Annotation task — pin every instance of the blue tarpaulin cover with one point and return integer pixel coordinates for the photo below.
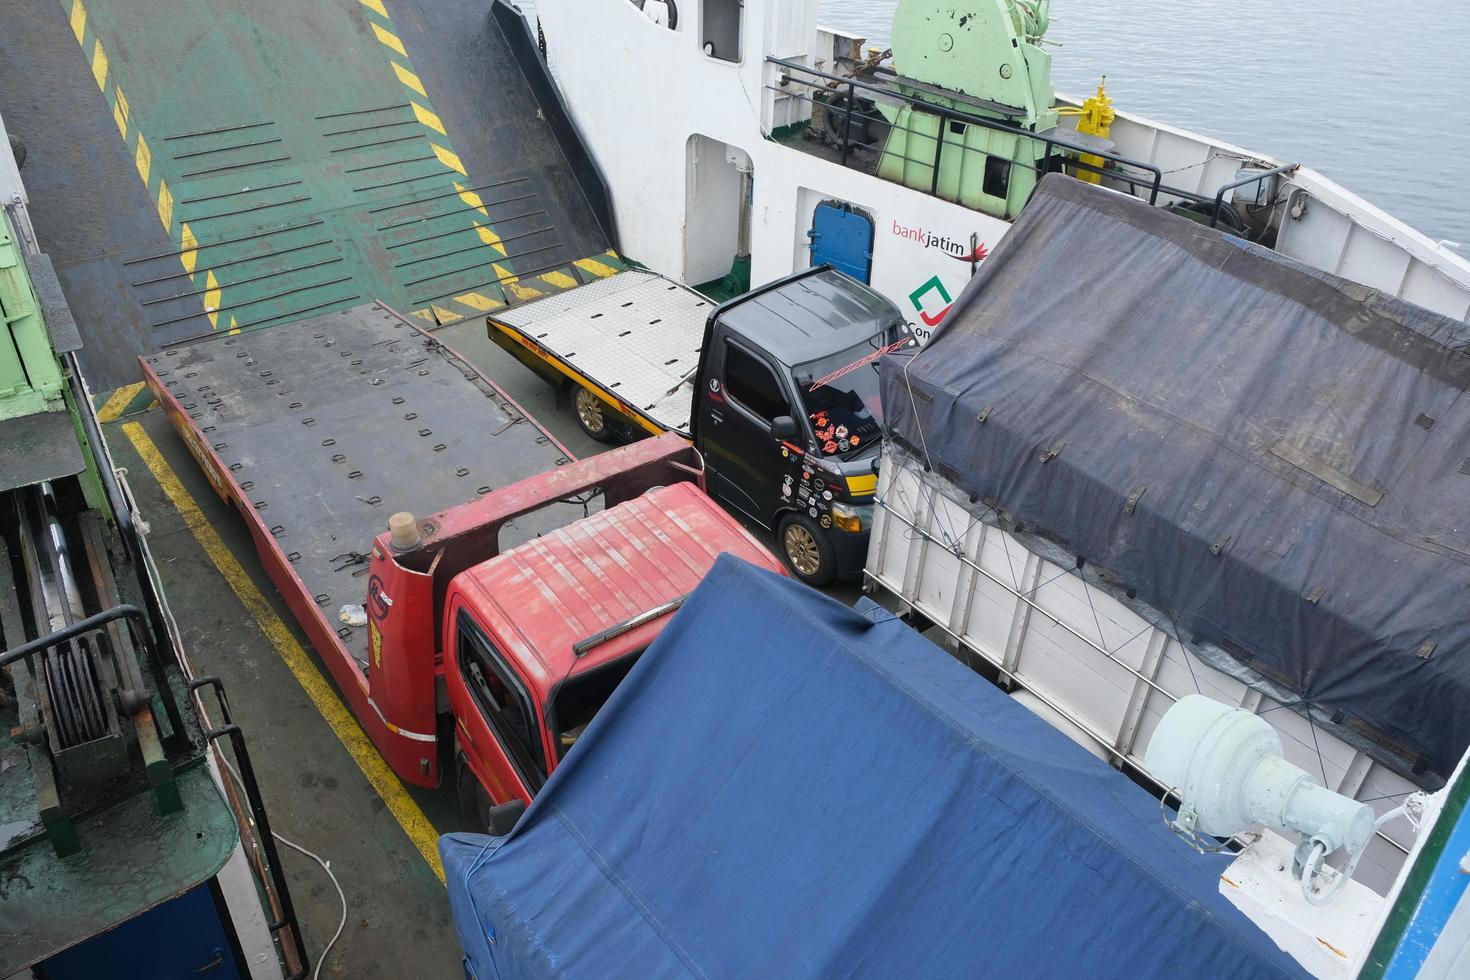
(784, 786)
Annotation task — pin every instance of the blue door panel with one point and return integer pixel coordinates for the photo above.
(183, 937)
(843, 238)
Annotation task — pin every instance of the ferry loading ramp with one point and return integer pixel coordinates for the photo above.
(196, 168)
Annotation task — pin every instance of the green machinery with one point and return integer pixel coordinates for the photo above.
(108, 808)
(980, 59)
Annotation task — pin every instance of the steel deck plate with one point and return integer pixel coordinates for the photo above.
(636, 333)
(331, 424)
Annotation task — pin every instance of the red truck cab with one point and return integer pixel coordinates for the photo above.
(540, 635)
(529, 642)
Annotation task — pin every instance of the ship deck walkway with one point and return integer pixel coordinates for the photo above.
(237, 164)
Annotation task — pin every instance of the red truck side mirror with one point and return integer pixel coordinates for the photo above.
(503, 818)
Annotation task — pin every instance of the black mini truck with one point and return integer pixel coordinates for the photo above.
(778, 390)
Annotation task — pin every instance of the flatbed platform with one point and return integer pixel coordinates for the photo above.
(636, 336)
(320, 429)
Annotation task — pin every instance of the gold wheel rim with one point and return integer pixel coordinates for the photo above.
(589, 411)
(801, 549)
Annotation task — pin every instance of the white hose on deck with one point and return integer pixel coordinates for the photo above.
(326, 866)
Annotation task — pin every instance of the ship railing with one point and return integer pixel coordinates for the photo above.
(285, 927)
(1258, 178)
(1141, 179)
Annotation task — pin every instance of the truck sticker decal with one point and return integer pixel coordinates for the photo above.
(378, 598)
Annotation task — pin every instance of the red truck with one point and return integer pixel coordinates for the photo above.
(507, 619)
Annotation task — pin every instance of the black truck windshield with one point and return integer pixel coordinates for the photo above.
(840, 394)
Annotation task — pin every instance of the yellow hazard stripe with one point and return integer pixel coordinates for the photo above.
(559, 279)
(408, 78)
(595, 267)
(447, 157)
(388, 39)
(152, 176)
(78, 20)
(118, 403)
(408, 814)
(428, 118)
(478, 302)
(99, 65)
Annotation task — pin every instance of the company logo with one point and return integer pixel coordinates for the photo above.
(960, 251)
(932, 301)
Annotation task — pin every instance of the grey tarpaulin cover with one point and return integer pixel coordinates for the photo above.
(1300, 444)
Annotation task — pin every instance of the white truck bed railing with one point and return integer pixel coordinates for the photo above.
(1019, 608)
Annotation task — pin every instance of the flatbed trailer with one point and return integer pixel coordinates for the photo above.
(314, 431)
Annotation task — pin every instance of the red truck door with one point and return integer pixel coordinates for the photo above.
(501, 731)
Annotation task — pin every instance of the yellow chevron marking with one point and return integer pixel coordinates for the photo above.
(120, 112)
(488, 236)
(523, 292)
(144, 159)
(428, 118)
(211, 298)
(471, 198)
(445, 316)
(165, 201)
(477, 302)
(559, 279)
(376, 6)
(408, 78)
(234, 327)
(189, 256)
(595, 267)
(389, 39)
(78, 19)
(447, 157)
(99, 66)
(426, 315)
(118, 403)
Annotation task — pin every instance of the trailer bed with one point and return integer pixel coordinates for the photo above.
(318, 430)
(636, 335)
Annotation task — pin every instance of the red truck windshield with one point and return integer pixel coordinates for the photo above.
(840, 394)
(578, 699)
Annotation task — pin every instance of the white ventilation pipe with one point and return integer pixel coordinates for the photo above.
(1226, 765)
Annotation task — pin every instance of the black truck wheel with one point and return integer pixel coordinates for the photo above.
(806, 550)
(592, 415)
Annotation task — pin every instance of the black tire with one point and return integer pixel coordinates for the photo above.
(592, 414)
(806, 550)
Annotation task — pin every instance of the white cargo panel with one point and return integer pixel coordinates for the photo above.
(1103, 663)
(636, 334)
